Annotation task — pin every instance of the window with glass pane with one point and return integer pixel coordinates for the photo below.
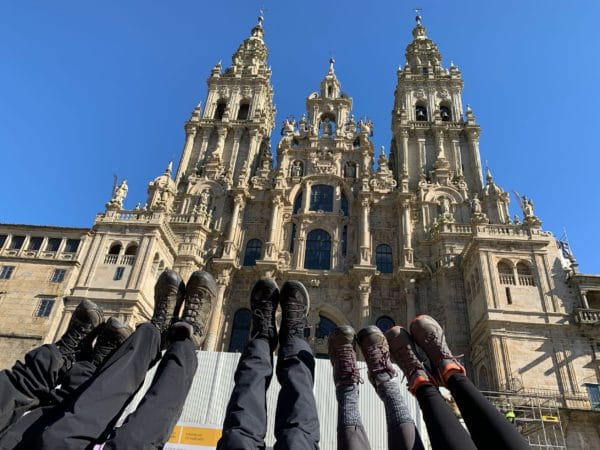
(6, 272)
(58, 275)
(253, 250)
(298, 203)
(53, 244)
(119, 273)
(344, 205)
(72, 245)
(35, 243)
(2, 240)
(344, 240)
(321, 198)
(384, 323)
(325, 327)
(45, 307)
(594, 395)
(318, 250)
(16, 242)
(383, 259)
(240, 330)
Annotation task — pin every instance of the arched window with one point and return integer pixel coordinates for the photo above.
(240, 330)
(384, 323)
(344, 205)
(220, 109)
(327, 125)
(321, 198)
(445, 113)
(297, 203)
(253, 249)
(243, 111)
(421, 113)
(131, 250)
(115, 249)
(318, 250)
(524, 274)
(325, 327)
(383, 258)
(483, 380)
(505, 273)
(155, 262)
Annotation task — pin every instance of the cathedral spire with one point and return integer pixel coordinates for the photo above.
(330, 86)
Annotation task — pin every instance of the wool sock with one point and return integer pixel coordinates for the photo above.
(348, 412)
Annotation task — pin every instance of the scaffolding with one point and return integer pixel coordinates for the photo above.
(536, 416)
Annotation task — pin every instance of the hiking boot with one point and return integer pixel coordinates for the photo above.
(169, 291)
(342, 354)
(374, 347)
(86, 317)
(428, 335)
(403, 353)
(112, 335)
(200, 294)
(295, 303)
(264, 299)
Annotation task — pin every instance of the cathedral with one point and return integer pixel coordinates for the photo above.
(376, 238)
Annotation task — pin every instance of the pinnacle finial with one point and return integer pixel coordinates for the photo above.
(418, 15)
(331, 63)
(488, 173)
(169, 168)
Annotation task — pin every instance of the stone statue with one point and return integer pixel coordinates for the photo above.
(138, 206)
(476, 205)
(516, 220)
(350, 170)
(444, 206)
(119, 195)
(297, 169)
(527, 206)
(204, 200)
(327, 130)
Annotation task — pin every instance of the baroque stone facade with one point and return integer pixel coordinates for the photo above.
(419, 232)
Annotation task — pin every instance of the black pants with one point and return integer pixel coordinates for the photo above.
(489, 429)
(21, 432)
(296, 419)
(90, 417)
(29, 383)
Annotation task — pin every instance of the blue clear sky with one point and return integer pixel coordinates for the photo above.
(92, 89)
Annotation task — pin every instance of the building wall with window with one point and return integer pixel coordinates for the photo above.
(376, 236)
(38, 268)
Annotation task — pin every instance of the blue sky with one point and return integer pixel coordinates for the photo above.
(92, 89)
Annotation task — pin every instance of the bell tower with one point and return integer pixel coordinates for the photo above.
(224, 140)
(432, 139)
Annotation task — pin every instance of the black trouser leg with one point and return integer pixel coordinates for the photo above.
(488, 427)
(88, 417)
(151, 424)
(444, 429)
(27, 384)
(22, 433)
(353, 437)
(296, 419)
(245, 423)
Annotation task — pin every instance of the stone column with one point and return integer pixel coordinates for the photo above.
(237, 135)
(238, 203)
(271, 247)
(365, 257)
(364, 307)
(190, 135)
(474, 143)
(300, 247)
(306, 197)
(222, 134)
(422, 153)
(407, 250)
(411, 304)
(255, 138)
(337, 198)
(217, 312)
(404, 167)
(439, 137)
(584, 300)
(457, 157)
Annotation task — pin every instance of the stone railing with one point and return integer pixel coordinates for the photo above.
(128, 260)
(526, 280)
(587, 316)
(111, 259)
(506, 278)
(130, 216)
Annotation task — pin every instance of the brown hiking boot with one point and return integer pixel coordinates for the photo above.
(112, 335)
(168, 297)
(428, 335)
(264, 299)
(295, 304)
(342, 354)
(376, 351)
(201, 293)
(403, 354)
(86, 317)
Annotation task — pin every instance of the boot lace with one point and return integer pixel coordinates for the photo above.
(346, 370)
(378, 359)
